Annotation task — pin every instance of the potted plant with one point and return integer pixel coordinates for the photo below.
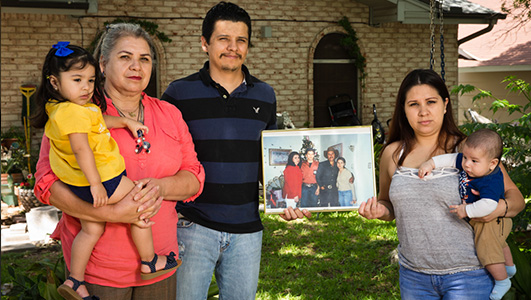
(14, 161)
(12, 135)
(14, 154)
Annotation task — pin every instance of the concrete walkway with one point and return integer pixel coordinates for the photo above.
(30, 231)
(16, 237)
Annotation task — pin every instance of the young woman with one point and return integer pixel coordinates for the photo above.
(436, 252)
(345, 188)
(292, 180)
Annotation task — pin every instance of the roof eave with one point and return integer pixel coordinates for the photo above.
(418, 12)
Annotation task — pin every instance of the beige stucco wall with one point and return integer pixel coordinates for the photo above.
(491, 81)
(283, 60)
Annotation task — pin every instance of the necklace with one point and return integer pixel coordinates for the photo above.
(132, 114)
(139, 117)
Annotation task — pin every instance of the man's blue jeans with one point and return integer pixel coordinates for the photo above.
(308, 196)
(235, 258)
(470, 285)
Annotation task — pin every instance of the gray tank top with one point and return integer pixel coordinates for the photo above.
(431, 239)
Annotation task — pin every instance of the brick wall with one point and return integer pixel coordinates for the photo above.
(283, 60)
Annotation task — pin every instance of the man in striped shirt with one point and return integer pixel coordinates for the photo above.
(226, 108)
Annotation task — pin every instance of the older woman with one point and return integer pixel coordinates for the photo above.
(169, 171)
(436, 251)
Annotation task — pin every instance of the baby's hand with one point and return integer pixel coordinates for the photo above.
(99, 194)
(426, 168)
(460, 210)
(135, 126)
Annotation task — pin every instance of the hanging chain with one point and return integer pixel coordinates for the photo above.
(432, 33)
(441, 30)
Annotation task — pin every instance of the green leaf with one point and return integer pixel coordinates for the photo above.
(11, 271)
(523, 270)
(49, 291)
(213, 289)
(463, 89)
(350, 43)
(482, 94)
(497, 104)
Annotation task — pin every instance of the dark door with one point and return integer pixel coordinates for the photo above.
(334, 73)
(151, 89)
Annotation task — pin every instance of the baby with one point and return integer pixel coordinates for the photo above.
(479, 171)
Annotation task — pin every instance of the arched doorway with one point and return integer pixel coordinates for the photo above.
(152, 88)
(334, 73)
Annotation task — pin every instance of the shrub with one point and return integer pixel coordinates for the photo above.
(517, 160)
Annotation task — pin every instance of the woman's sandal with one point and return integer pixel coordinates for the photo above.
(171, 264)
(69, 293)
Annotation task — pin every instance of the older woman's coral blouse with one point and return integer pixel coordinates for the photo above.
(115, 261)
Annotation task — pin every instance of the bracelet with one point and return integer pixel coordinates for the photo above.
(506, 207)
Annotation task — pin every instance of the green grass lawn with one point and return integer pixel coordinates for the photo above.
(335, 256)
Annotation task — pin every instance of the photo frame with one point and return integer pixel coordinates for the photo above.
(289, 185)
(278, 157)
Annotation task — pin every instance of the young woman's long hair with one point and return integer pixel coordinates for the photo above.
(399, 130)
(290, 159)
(55, 65)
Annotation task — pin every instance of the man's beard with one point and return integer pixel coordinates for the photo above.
(231, 69)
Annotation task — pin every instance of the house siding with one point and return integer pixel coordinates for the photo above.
(285, 60)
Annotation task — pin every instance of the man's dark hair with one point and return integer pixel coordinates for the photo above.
(225, 11)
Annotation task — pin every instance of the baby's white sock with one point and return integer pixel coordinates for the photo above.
(511, 270)
(500, 288)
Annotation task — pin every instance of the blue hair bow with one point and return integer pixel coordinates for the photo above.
(62, 51)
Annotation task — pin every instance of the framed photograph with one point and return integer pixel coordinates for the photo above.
(321, 169)
(278, 157)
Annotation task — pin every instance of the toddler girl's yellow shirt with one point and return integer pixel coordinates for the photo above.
(66, 118)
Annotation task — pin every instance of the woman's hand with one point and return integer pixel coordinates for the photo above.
(372, 209)
(148, 184)
(126, 210)
(500, 211)
(138, 206)
(293, 214)
(179, 187)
